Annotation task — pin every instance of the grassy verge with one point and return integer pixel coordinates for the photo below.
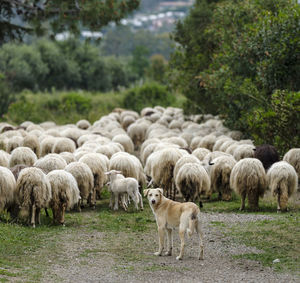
(278, 238)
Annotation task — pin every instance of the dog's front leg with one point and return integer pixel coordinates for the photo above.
(170, 241)
(161, 236)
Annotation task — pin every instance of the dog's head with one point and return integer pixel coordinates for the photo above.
(154, 195)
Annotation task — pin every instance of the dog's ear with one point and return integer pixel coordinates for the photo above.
(161, 191)
(146, 192)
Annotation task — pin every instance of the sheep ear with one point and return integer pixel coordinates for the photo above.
(119, 172)
(211, 163)
(146, 192)
(107, 173)
(161, 191)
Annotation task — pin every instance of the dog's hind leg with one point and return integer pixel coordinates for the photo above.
(170, 241)
(200, 235)
(181, 236)
(161, 237)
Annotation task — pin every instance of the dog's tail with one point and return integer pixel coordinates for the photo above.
(192, 222)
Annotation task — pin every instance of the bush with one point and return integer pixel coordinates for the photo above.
(279, 123)
(6, 97)
(150, 94)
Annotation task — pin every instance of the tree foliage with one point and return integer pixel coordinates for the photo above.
(19, 17)
(237, 58)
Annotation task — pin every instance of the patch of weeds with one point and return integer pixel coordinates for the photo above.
(217, 223)
(267, 205)
(7, 273)
(279, 239)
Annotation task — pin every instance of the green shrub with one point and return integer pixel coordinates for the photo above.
(150, 94)
(75, 102)
(6, 97)
(279, 123)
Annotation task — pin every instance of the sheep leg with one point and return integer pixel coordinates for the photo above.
(38, 216)
(46, 211)
(123, 201)
(253, 201)
(181, 236)
(170, 242)
(243, 202)
(161, 236)
(200, 235)
(116, 207)
(141, 201)
(33, 208)
(135, 199)
(111, 201)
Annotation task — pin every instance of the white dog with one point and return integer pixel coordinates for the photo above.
(170, 214)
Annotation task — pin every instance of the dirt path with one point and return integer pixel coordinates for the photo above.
(87, 255)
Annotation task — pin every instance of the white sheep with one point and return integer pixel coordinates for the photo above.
(248, 179)
(4, 158)
(283, 181)
(119, 186)
(7, 188)
(22, 155)
(65, 194)
(50, 162)
(220, 176)
(293, 158)
(63, 144)
(84, 177)
(32, 142)
(192, 180)
(33, 192)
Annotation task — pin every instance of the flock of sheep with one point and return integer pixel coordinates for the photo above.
(59, 167)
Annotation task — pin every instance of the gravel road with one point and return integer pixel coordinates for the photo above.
(87, 256)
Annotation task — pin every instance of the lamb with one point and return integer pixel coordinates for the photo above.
(283, 181)
(22, 155)
(33, 192)
(248, 179)
(293, 158)
(65, 194)
(267, 154)
(7, 188)
(84, 177)
(121, 186)
(192, 180)
(220, 176)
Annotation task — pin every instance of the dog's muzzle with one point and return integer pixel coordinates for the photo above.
(153, 201)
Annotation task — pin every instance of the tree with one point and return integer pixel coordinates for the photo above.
(21, 17)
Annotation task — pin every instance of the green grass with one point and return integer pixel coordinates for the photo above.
(24, 251)
(278, 239)
(267, 205)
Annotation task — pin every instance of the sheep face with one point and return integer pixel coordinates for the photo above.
(282, 200)
(59, 213)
